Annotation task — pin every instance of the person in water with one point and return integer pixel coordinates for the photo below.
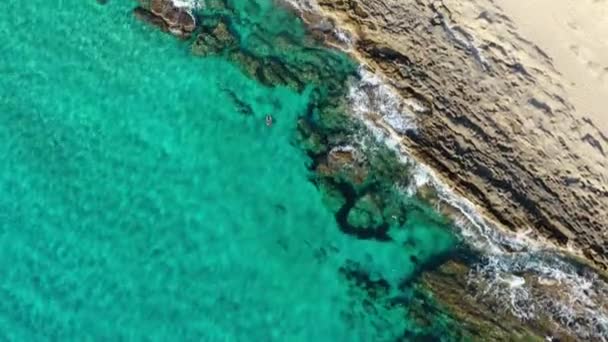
(269, 120)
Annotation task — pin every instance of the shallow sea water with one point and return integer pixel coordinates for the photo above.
(137, 203)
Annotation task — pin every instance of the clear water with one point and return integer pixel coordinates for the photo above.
(138, 203)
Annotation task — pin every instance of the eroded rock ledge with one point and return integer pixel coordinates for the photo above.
(498, 125)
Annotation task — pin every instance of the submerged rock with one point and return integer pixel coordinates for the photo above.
(365, 214)
(342, 162)
(214, 38)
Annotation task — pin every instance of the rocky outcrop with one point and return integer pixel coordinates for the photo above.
(495, 123)
(167, 16)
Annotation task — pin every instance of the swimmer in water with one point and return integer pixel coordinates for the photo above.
(269, 120)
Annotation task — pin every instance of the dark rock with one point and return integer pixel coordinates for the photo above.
(361, 278)
(358, 227)
(164, 14)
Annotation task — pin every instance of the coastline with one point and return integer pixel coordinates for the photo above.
(507, 247)
(544, 188)
(140, 188)
(402, 105)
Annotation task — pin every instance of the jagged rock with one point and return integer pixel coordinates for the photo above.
(164, 14)
(342, 163)
(273, 59)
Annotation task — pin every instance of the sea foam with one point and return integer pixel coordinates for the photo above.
(189, 4)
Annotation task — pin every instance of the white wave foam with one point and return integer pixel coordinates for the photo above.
(304, 5)
(189, 4)
(419, 179)
(344, 37)
(529, 278)
(372, 97)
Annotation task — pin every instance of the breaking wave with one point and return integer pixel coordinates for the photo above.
(189, 4)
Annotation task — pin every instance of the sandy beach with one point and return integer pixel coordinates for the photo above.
(574, 34)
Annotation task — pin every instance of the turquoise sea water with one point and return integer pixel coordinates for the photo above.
(137, 202)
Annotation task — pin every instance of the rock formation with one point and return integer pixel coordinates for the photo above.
(492, 116)
(168, 17)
